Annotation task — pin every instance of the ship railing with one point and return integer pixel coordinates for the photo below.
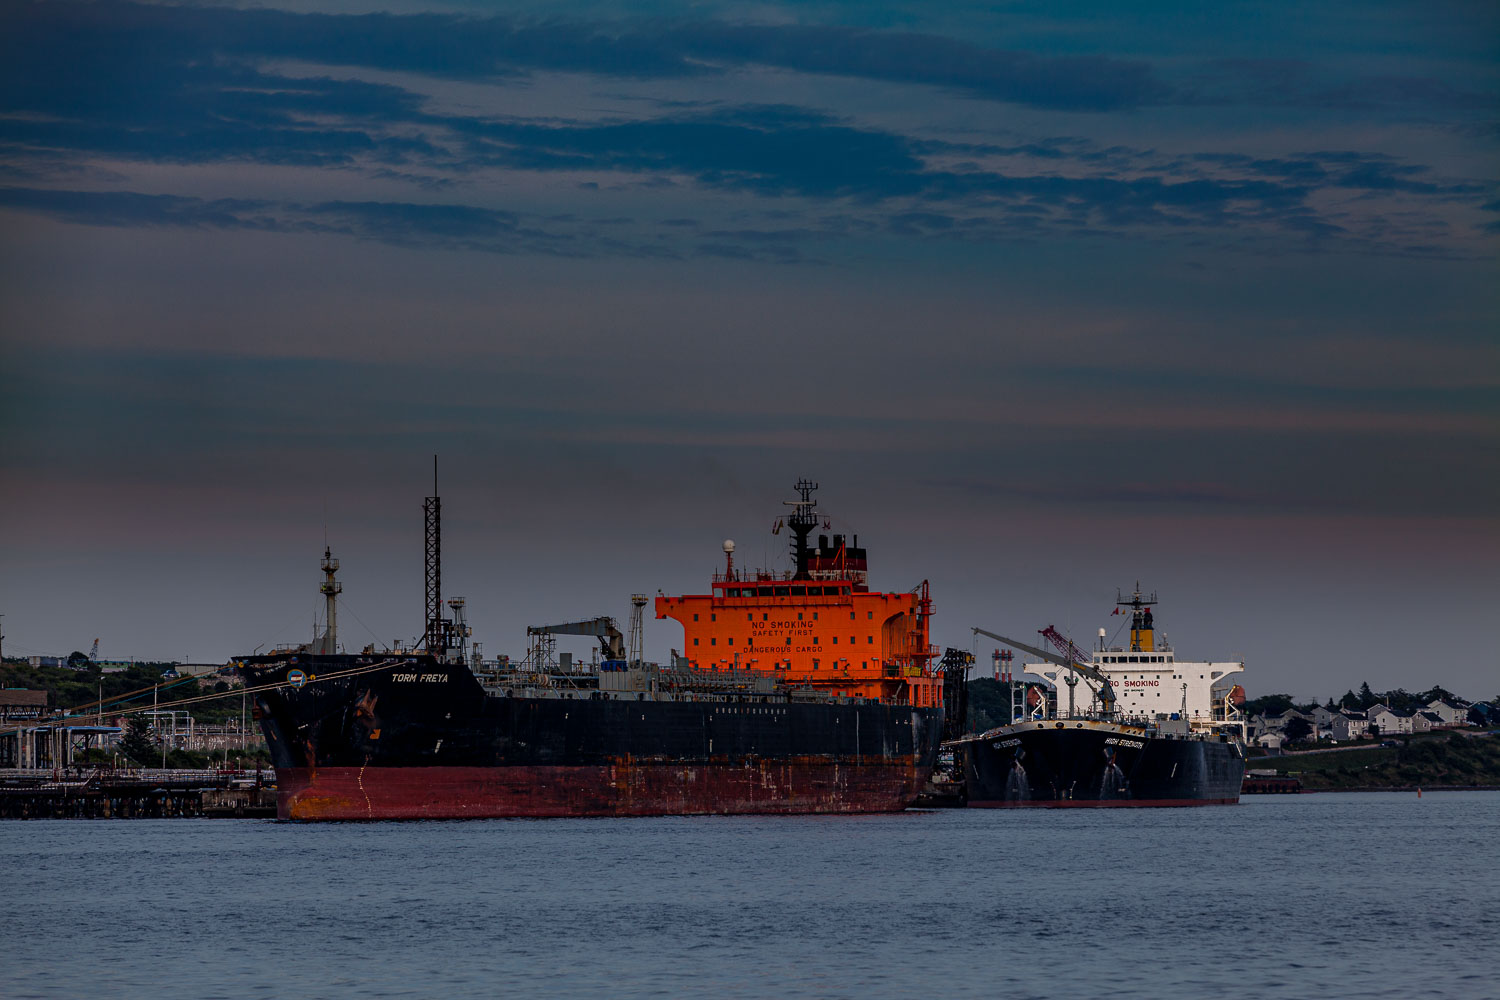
(753, 576)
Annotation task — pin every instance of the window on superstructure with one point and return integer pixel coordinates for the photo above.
(817, 641)
(713, 641)
(783, 591)
(799, 591)
(695, 617)
(695, 641)
(870, 615)
(869, 640)
(764, 617)
(713, 617)
(749, 617)
(731, 640)
(835, 640)
(763, 591)
(788, 640)
(815, 616)
(799, 616)
(815, 664)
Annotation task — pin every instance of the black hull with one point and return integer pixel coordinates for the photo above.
(1073, 763)
(355, 723)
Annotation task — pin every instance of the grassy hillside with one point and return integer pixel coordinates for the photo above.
(1430, 762)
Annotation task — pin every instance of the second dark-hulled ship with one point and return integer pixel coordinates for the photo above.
(1153, 730)
(800, 691)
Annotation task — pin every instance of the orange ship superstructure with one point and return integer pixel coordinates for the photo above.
(818, 626)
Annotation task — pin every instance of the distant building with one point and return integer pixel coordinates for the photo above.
(1349, 725)
(19, 706)
(1388, 721)
(1323, 718)
(1276, 722)
(1271, 741)
(1452, 713)
(19, 703)
(1423, 721)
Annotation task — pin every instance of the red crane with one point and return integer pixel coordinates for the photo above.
(1065, 646)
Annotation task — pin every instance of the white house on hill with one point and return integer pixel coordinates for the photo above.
(1450, 712)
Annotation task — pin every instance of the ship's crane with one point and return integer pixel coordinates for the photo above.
(1064, 645)
(611, 639)
(1073, 663)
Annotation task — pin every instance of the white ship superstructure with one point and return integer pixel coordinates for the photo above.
(1150, 683)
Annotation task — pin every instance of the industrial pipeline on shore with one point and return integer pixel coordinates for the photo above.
(104, 794)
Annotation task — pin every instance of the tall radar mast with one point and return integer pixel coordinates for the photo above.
(435, 639)
(330, 589)
(637, 645)
(803, 519)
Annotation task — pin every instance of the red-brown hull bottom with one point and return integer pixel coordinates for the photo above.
(632, 789)
(1102, 803)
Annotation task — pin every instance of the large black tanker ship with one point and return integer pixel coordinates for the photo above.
(438, 732)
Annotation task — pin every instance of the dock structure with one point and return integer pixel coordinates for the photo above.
(32, 794)
(1260, 782)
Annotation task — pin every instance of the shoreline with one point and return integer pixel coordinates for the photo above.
(1403, 788)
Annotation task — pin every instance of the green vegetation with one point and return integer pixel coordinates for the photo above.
(989, 704)
(137, 744)
(1277, 703)
(67, 688)
(1433, 761)
(1399, 699)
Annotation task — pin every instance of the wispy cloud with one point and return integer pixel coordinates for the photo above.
(82, 84)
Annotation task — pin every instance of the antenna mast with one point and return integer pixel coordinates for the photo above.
(637, 630)
(432, 510)
(330, 590)
(803, 519)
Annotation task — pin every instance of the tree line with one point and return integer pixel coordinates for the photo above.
(1398, 699)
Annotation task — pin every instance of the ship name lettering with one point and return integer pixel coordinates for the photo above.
(403, 678)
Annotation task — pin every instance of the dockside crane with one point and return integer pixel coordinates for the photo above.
(1072, 662)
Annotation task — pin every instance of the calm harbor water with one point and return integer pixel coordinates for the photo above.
(1375, 895)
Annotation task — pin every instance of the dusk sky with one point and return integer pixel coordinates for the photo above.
(1048, 297)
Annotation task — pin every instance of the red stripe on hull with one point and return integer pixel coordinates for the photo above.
(1102, 803)
(353, 793)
